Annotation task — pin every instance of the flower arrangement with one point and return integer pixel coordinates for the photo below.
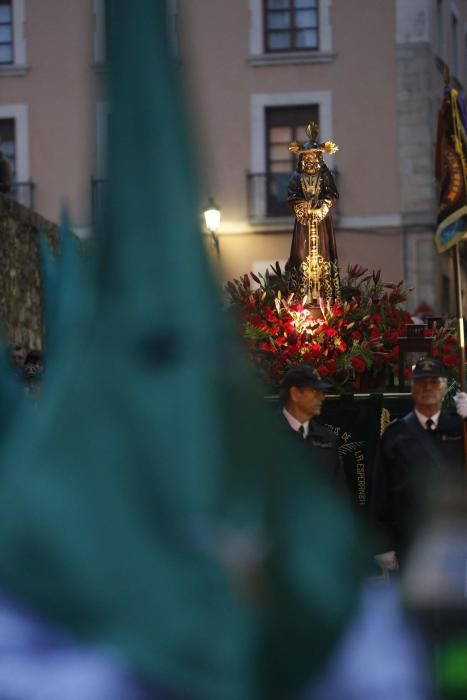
(354, 341)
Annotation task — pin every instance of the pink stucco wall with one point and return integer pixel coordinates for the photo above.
(58, 88)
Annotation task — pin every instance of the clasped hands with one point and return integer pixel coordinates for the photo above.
(304, 211)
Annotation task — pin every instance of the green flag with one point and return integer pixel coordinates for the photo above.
(152, 508)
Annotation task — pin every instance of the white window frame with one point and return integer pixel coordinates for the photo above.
(19, 42)
(258, 104)
(257, 48)
(260, 101)
(19, 112)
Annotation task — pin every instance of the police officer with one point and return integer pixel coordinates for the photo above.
(302, 393)
(416, 450)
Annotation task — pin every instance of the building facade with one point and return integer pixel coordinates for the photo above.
(52, 103)
(256, 72)
(368, 71)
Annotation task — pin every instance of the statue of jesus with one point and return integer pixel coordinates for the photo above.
(312, 194)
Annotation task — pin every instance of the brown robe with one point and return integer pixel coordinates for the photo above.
(325, 189)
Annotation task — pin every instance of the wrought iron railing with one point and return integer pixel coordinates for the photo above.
(267, 194)
(22, 192)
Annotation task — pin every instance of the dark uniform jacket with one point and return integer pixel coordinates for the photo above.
(321, 450)
(411, 461)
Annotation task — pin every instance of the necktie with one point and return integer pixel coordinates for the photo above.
(430, 425)
(301, 430)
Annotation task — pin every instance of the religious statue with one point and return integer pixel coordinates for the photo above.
(312, 265)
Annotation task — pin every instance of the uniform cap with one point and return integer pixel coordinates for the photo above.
(428, 367)
(304, 376)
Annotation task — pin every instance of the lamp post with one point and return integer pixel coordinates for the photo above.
(212, 217)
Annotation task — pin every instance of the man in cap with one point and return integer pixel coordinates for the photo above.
(424, 445)
(302, 393)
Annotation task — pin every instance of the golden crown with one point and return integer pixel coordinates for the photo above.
(312, 131)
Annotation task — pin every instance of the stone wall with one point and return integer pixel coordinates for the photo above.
(418, 187)
(20, 278)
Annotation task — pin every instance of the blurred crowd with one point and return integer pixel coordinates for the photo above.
(27, 366)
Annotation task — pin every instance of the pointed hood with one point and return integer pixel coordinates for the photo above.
(153, 508)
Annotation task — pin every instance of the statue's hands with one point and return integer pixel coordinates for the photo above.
(324, 209)
(321, 212)
(303, 211)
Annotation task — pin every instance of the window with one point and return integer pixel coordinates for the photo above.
(14, 135)
(283, 125)
(291, 25)
(8, 143)
(276, 119)
(6, 32)
(20, 190)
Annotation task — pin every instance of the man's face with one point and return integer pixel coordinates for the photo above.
(308, 400)
(428, 393)
(18, 356)
(310, 162)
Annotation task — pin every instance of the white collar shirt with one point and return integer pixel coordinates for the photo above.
(423, 419)
(295, 424)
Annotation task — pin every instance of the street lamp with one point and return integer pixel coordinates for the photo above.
(212, 217)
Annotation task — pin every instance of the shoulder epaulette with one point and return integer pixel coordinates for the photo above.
(385, 421)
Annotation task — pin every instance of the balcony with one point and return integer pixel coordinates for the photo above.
(267, 195)
(22, 192)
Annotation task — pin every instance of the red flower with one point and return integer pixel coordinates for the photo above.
(323, 370)
(358, 363)
(446, 347)
(266, 346)
(315, 349)
(275, 329)
(450, 361)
